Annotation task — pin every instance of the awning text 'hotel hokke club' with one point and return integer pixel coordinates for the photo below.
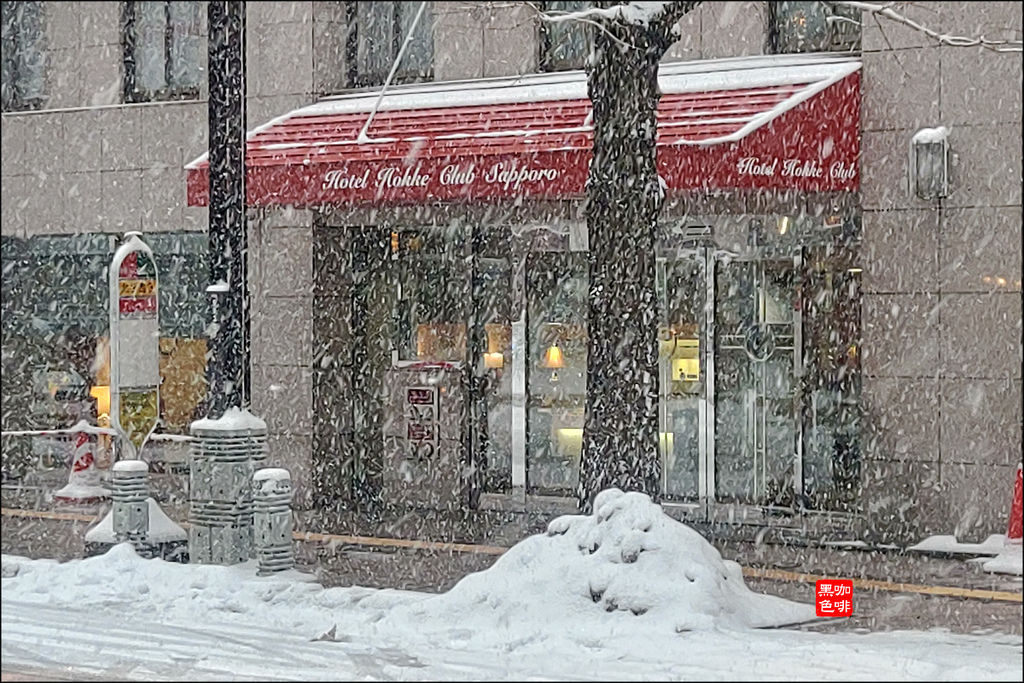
(780, 122)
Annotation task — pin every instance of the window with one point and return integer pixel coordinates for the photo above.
(812, 27)
(55, 318)
(161, 51)
(24, 60)
(376, 33)
(563, 45)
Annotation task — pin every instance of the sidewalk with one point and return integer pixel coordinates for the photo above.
(436, 571)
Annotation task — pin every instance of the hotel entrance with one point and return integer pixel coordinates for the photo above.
(758, 367)
(760, 375)
(729, 413)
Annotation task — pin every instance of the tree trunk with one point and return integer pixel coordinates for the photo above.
(624, 199)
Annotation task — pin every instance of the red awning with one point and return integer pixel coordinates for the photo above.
(780, 122)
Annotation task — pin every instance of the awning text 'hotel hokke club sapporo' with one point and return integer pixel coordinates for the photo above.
(779, 122)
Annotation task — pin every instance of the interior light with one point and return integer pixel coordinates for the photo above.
(494, 360)
(102, 395)
(553, 359)
(783, 225)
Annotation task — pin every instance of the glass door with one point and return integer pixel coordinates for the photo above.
(683, 362)
(757, 438)
(556, 370)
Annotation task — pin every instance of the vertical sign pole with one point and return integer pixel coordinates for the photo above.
(228, 369)
(134, 342)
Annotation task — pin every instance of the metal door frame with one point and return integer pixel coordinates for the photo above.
(715, 510)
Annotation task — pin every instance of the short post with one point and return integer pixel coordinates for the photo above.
(272, 520)
(130, 493)
(84, 479)
(224, 454)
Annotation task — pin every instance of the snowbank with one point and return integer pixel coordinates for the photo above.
(627, 561)
(1009, 561)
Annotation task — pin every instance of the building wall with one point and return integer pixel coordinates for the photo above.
(942, 354)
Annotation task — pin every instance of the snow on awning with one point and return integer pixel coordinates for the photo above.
(776, 122)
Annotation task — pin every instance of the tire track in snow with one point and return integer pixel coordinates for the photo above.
(98, 641)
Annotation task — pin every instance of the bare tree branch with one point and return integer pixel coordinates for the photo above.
(550, 17)
(943, 38)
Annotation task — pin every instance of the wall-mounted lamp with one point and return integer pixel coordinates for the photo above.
(930, 163)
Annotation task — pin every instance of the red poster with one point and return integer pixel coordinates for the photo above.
(137, 306)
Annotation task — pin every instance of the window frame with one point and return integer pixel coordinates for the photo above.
(835, 38)
(16, 102)
(545, 63)
(354, 79)
(131, 93)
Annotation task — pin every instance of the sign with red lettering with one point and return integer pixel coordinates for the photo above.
(136, 286)
(421, 429)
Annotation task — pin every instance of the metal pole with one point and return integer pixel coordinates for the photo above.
(228, 368)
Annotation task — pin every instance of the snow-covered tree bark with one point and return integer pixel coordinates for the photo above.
(624, 198)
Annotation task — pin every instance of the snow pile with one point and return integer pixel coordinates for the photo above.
(1009, 561)
(628, 560)
(122, 580)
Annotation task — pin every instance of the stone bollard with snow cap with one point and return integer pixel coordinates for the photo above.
(272, 520)
(225, 452)
(130, 493)
(135, 518)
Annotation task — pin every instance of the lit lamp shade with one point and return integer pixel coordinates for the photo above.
(553, 358)
(494, 360)
(102, 395)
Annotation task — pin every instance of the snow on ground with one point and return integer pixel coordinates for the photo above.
(1009, 561)
(626, 593)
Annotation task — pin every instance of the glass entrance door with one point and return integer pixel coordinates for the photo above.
(757, 438)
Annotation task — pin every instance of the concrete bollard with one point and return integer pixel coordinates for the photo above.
(272, 520)
(223, 456)
(130, 493)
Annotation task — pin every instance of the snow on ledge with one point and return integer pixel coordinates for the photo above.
(130, 466)
(930, 135)
(234, 419)
(272, 474)
(993, 545)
